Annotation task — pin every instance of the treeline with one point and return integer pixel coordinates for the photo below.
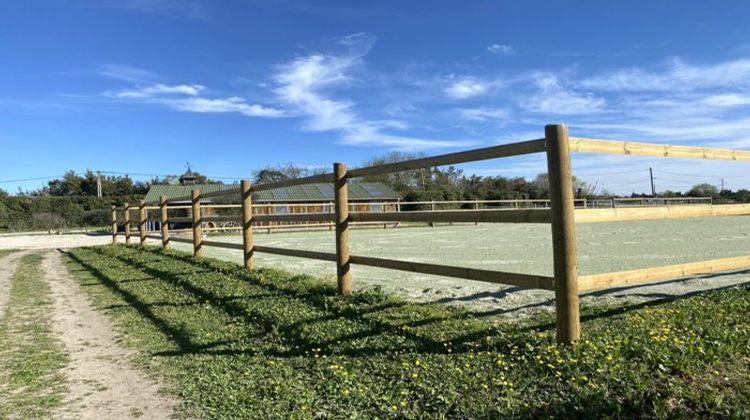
(707, 190)
(26, 213)
(71, 200)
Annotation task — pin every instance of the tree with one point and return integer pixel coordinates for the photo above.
(284, 172)
(703, 190)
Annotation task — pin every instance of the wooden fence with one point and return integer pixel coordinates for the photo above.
(561, 214)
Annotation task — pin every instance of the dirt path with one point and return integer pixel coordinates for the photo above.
(102, 382)
(8, 265)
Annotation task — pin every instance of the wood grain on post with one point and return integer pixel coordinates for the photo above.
(142, 221)
(563, 233)
(126, 220)
(114, 224)
(197, 231)
(343, 266)
(164, 221)
(247, 224)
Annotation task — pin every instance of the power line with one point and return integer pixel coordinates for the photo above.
(41, 178)
(700, 176)
(608, 173)
(645, 181)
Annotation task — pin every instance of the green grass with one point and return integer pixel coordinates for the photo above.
(4, 252)
(31, 358)
(239, 344)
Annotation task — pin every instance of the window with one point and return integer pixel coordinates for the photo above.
(376, 208)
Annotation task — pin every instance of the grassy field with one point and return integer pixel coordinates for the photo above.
(266, 343)
(522, 248)
(31, 358)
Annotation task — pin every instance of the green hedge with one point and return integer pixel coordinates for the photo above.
(35, 213)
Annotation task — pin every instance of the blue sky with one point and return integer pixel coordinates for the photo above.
(143, 86)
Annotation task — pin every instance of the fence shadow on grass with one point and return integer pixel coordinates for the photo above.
(388, 325)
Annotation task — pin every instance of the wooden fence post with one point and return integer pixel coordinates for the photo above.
(163, 221)
(247, 224)
(563, 233)
(343, 272)
(114, 224)
(142, 221)
(126, 220)
(197, 231)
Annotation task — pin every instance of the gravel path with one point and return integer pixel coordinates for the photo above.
(102, 383)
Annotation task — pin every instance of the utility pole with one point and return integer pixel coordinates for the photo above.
(722, 184)
(653, 188)
(99, 184)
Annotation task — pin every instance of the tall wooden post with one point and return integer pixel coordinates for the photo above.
(164, 221)
(343, 272)
(126, 220)
(247, 224)
(563, 233)
(142, 221)
(114, 224)
(197, 231)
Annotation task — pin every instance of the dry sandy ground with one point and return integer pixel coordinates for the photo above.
(43, 241)
(101, 381)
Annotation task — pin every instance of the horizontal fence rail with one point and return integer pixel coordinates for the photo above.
(561, 211)
(457, 216)
(656, 274)
(504, 150)
(615, 147)
(488, 276)
(654, 213)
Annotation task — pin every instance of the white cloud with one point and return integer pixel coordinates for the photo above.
(727, 100)
(466, 88)
(303, 84)
(233, 104)
(187, 98)
(501, 49)
(484, 114)
(678, 75)
(160, 89)
(554, 98)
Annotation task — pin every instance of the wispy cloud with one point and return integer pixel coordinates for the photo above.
(554, 98)
(187, 98)
(126, 73)
(677, 76)
(501, 49)
(182, 8)
(466, 87)
(305, 84)
(233, 104)
(484, 114)
(160, 89)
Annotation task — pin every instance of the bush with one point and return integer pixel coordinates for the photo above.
(21, 213)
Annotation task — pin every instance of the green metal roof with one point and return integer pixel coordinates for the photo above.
(365, 191)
